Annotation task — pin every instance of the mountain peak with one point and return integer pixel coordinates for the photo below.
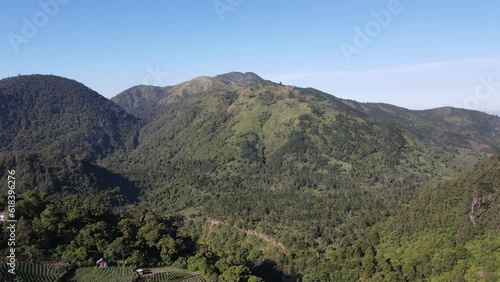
(239, 78)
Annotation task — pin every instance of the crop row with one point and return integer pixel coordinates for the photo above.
(33, 272)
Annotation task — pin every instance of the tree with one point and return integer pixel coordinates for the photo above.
(238, 273)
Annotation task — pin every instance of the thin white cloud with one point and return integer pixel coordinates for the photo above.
(400, 69)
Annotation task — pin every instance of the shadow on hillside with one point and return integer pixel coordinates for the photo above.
(107, 179)
(268, 271)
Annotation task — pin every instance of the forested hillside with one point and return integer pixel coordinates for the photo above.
(448, 232)
(50, 113)
(237, 177)
(51, 173)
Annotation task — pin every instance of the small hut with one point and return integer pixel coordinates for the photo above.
(4, 215)
(101, 263)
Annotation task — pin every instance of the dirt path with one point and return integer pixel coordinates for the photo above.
(250, 232)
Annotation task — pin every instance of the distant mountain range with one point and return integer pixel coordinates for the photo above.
(315, 172)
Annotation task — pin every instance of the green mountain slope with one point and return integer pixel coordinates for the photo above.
(457, 127)
(61, 175)
(274, 157)
(448, 232)
(47, 113)
(470, 199)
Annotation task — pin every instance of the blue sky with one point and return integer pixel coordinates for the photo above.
(416, 54)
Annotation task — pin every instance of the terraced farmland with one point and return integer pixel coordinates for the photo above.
(165, 276)
(59, 273)
(110, 274)
(34, 272)
(127, 274)
(196, 278)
